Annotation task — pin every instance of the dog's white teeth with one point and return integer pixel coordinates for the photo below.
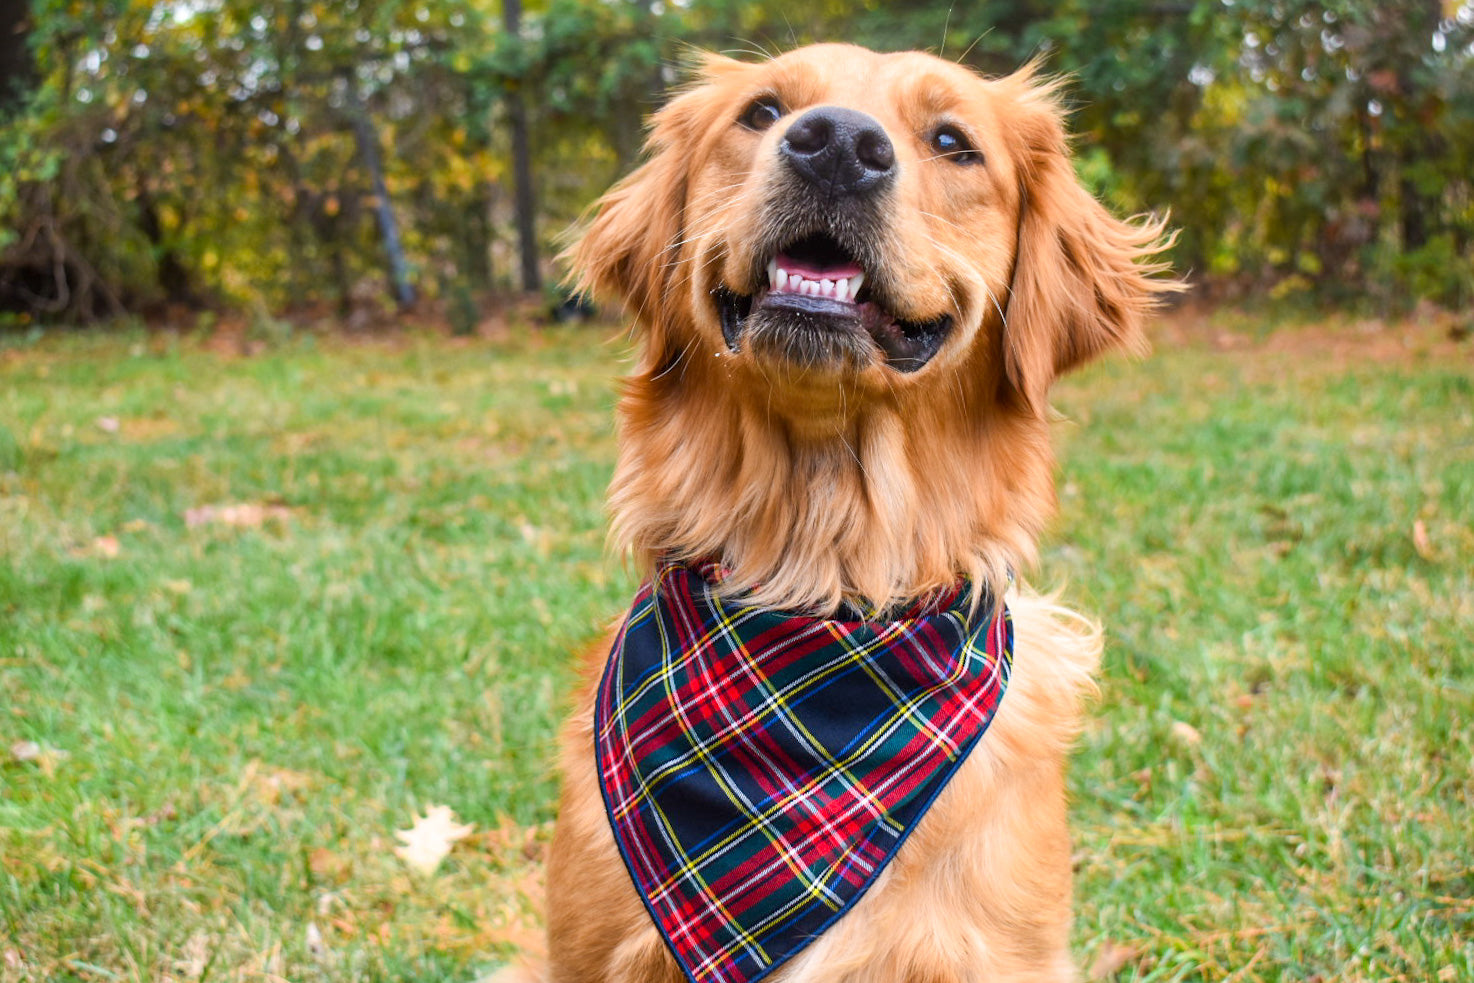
(842, 289)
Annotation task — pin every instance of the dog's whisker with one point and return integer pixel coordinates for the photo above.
(1002, 317)
(839, 429)
(694, 269)
(952, 223)
(711, 256)
(858, 463)
(678, 361)
(948, 153)
(968, 50)
(749, 47)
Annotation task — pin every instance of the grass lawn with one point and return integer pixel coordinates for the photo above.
(256, 612)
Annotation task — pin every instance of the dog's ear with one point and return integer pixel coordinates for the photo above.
(629, 250)
(1084, 282)
(624, 252)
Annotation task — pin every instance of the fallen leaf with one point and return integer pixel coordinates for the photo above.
(195, 956)
(327, 864)
(1110, 960)
(315, 944)
(44, 758)
(236, 681)
(266, 784)
(166, 814)
(427, 842)
(1186, 733)
(248, 515)
(1420, 540)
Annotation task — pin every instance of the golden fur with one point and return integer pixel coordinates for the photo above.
(826, 479)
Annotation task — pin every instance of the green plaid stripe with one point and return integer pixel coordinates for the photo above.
(760, 769)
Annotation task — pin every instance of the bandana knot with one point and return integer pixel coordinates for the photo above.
(760, 768)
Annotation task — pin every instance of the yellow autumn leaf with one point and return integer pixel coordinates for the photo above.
(430, 839)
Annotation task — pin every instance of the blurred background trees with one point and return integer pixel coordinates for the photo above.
(295, 155)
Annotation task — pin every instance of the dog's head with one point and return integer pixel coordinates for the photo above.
(865, 215)
(856, 276)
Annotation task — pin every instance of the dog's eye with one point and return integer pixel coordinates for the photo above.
(949, 142)
(761, 114)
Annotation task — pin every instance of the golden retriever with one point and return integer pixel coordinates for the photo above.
(867, 434)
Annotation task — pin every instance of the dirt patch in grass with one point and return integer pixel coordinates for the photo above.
(1334, 341)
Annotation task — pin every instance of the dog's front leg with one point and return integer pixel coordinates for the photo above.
(598, 930)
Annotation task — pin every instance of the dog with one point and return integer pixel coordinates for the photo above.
(854, 277)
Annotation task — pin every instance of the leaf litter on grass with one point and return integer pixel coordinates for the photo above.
(241, 515)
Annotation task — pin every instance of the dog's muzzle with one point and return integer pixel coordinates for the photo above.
(821, 294)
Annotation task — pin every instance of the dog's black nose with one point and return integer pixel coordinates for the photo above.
(840, 151)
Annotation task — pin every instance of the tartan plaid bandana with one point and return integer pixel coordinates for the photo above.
(760, 768)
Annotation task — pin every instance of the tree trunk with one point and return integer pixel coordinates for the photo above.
(477, 269)
(174, 278)
(368, 150)
(1417, 210)
(17, 70)
(525, 200)
(477, 226)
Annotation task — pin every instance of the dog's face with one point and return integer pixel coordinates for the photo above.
(868, 217)
(855, 277)
(881, 230)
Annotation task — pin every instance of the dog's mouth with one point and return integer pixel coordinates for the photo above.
(816, 303)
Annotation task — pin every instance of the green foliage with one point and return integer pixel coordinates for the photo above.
(169, 155)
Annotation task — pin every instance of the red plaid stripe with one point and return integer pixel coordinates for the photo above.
(760, 769)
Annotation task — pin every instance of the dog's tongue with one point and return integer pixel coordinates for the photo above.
(813, 271)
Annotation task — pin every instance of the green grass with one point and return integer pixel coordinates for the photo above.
(209, 733)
